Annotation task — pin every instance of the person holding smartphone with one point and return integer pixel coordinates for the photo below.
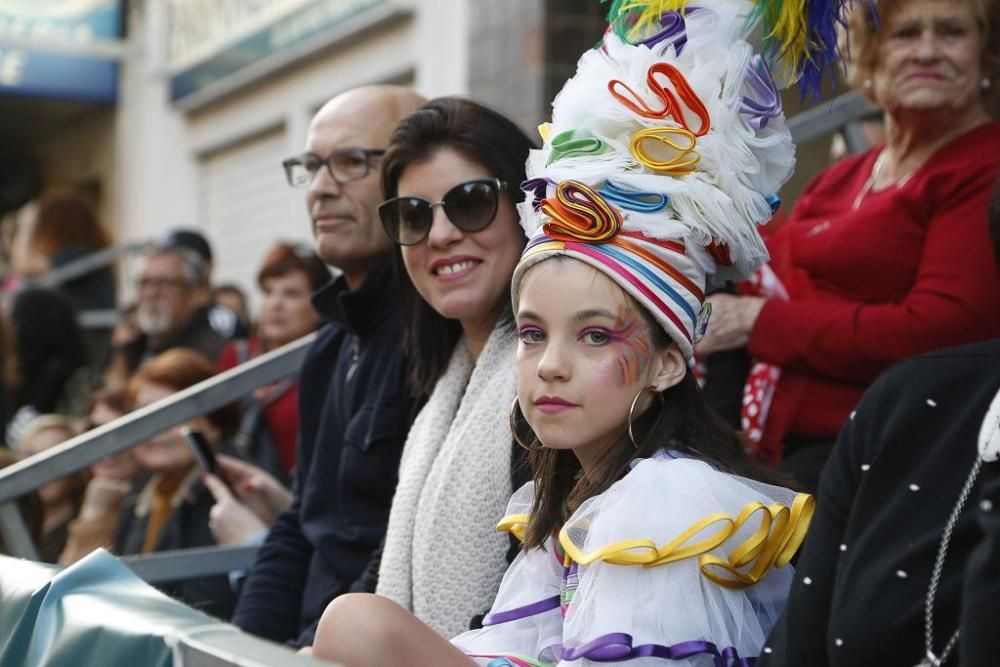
(169, 507)
(248, 500)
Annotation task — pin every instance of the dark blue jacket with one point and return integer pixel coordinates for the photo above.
(354, 413)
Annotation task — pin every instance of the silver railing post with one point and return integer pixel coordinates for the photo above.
(829, 117)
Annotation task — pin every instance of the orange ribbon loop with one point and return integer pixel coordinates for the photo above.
(578, 213)
(671, 106)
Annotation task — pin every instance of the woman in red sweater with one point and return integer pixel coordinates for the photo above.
(288, 276)
(887, 253)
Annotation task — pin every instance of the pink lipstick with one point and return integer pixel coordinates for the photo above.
(553, 404)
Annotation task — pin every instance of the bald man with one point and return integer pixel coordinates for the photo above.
(354, 408)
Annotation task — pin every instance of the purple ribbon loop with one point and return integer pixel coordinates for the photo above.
(522, 612)
(617, 647)
(539, 187)
(765, 101)
(673, 25)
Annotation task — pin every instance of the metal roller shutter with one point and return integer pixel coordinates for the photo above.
(246, 206)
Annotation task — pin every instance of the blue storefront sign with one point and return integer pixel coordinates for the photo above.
(29, 71)
(301, 24)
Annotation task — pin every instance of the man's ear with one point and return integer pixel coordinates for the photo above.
(669, 368)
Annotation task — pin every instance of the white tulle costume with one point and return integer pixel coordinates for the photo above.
(692, 533)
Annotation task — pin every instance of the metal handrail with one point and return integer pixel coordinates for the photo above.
(180, 564)
(89, 263)
(829, 117)
(122, 433)
(98, 319)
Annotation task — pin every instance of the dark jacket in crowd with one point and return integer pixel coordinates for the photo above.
(185, 528)
(980, 641)
(50, 358)
(207, 332)
(885, 496)
(354, 413)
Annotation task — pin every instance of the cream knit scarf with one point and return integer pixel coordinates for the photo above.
(443, 557)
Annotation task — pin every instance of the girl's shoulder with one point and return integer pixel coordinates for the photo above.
(670, 476)
(672, 507)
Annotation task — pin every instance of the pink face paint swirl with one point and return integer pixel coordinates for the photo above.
(632, 343)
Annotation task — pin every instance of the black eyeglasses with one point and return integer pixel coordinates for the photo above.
(470, 206)
(345, 165)
(152, 282)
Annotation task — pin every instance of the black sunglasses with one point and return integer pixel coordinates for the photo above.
(470, 206)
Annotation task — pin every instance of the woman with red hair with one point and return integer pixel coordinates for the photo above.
(170, 507)
(287, 278)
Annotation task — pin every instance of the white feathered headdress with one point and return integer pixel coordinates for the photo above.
(666, 150)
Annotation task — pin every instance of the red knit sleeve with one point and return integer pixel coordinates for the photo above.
(954, 299)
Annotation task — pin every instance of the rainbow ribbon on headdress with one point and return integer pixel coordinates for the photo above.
(568, 144)
(683, 159)
(633, 200)
(578, 213)
(766, 101)
(539, 187)
(671, 28)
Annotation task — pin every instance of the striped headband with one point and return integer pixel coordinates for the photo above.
(655, 272)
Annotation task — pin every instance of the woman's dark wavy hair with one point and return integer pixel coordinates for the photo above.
(479, 135)
(680, 420)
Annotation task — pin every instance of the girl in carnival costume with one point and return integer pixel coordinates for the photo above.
(648, 532)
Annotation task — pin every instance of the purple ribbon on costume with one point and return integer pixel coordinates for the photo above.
(617, 647)
(765, 102)
(673, 25)
(522, 612)
(539, 187)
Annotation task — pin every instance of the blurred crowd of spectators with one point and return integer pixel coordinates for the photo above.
(62, 377)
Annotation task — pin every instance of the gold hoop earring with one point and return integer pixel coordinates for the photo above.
(513, 429)
(631, 412)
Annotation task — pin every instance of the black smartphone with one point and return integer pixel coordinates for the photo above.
(202, 450)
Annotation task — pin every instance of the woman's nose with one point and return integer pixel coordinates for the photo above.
(928, 46)
(442, 233)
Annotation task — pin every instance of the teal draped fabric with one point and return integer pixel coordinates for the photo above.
(95, 612)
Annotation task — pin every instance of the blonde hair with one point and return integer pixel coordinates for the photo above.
(862, 38)
(67, 425)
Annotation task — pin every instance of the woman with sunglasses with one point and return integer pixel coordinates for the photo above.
(452, 174)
